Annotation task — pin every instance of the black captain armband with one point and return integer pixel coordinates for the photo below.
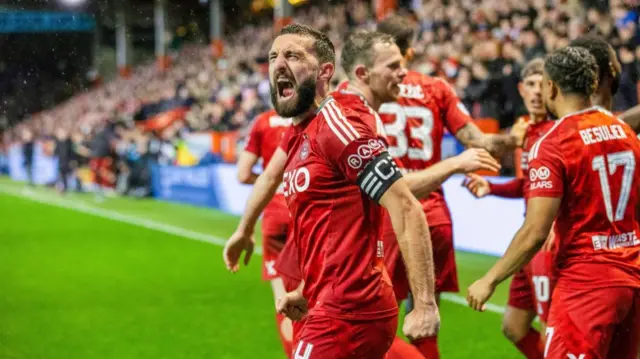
(378, 176)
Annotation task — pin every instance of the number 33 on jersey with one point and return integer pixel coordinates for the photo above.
(415, 124)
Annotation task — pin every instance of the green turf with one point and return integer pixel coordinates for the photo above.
(74, 285)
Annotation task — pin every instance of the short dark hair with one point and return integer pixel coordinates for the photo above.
(401, 29)
(599, 48)
(359, 49)
(323, 47)
(533, 67)
(573, 69)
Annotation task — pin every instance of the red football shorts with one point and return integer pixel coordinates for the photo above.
(274, 236)
(443, 256)
(594, 324)
(329, 338)
(532, 286)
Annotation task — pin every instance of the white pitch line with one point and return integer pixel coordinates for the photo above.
(166, 228)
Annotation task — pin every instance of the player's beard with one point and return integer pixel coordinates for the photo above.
(299, 103)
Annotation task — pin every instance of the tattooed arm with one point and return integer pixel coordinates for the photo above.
(497, 144)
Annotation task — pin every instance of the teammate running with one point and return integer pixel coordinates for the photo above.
(265, 136)
(337, 172)
(531, 287)
(594, 310)
(415, 127)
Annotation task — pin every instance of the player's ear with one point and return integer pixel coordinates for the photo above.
(410, 54)
(326, 72)
(554, 90)
(521, 89)
(361, 72)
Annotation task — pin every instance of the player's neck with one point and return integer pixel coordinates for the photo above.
(317, 103)
(603, 99)
(365, 91)
(571, 104)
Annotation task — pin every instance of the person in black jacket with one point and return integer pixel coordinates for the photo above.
(27, 153)
(64, 153)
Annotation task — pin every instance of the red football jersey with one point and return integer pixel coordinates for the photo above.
(266, 134)
(335, 223)
(534, 133)
(589, 159)
(359, 104)
(415, 127)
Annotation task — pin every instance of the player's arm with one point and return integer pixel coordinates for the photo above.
(480, 187)
(632, 118)
(412, 232)
(545, 197)
(246, 162)
(497, 144)
(541, 212)
(265, 187)
(422, 183)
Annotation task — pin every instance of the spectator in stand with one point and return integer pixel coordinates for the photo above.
(64, 153)
(101, 162)
(28, 146)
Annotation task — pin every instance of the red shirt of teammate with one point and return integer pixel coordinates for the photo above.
(265, 137)
(589, 160)
(415, 127)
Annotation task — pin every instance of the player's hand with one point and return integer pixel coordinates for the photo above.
(476, 159)
(479, 293)
(422, 323)
(477, 185)
(238, 242)
(292, 305)
(519, 130)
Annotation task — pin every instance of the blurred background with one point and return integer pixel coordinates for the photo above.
(166, 82)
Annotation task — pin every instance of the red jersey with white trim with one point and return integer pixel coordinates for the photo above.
(534, 132)
(415, 126)
(359, 104)
(589, 159)
(336, 225)
(264, 138)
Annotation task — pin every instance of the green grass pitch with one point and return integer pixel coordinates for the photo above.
(77, 285)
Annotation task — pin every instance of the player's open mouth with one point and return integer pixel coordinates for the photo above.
(285, 88)
(536, 102)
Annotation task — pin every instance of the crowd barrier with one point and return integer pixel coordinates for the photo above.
(485, 226)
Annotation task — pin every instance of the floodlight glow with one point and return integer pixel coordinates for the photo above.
(72, 2)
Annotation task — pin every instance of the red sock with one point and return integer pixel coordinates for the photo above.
(530, 345)
(286, 334)
(403, 350)
(428, 347)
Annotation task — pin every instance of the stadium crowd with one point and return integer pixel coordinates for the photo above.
(479, 46)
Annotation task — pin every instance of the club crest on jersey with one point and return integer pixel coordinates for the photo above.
(411, 91)
(304, 150)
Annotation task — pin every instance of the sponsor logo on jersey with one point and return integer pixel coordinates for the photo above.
(541, 173)
(411, 91)
(375, 144)
(354, 162)
(365, 151)
(615, 241)
(296, 181)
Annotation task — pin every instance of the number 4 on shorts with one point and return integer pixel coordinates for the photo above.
(307, 351)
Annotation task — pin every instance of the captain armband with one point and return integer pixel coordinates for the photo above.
(378, 176)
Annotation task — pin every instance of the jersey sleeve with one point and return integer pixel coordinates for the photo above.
(351, 144)
(286, 139)
(546, 170)
(454, 114)
(254, 140)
